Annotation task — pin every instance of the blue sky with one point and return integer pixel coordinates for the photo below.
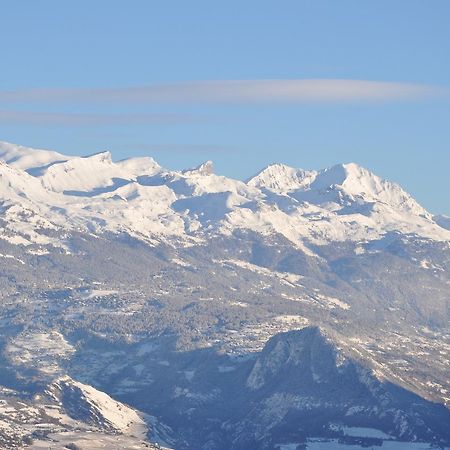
(307, 83)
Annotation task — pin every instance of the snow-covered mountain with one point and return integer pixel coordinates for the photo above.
(298, 309)
(96, 194)
(344, 184)
(26, 158)
(282, 178)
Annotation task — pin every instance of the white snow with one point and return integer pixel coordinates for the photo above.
(84, 175)
(332, 444)
(12, 257)
(332, 302)
(42, 190)
(91, 440)
(279, 177)
(240, 304)
(94, 293)
(41, 350)
(206, 168)
(116, 414)
(27, 158)
(365, 432)
(286, 277)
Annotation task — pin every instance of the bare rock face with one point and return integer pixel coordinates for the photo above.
(302, 383)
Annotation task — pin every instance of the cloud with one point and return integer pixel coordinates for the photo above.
(293, 91)
(236, 91)
(70, 119)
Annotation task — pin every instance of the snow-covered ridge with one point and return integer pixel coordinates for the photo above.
(99, 408)
(44, 190)
(342, 180)
(279, 177)
(88, 175)
(28, 158)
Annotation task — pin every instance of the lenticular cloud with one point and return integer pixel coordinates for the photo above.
(236, 91)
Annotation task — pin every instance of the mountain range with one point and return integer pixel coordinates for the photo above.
(297, 309)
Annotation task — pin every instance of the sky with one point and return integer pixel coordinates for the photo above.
(243, 83)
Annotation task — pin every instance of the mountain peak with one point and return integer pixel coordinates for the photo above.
(102, 157)
(343, 184)
(309, 348)
(280, 177)
(205, 168)
(356, 181)
(351, 174)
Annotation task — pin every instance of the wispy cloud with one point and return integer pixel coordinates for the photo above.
(82, 119)
(236, 91)
(293, 91)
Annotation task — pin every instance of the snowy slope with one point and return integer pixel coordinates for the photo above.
(83, 402)
(342, 184)
(70, 415)
(26, 158)
(41, 190)
(279, 177)
(94, 174)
